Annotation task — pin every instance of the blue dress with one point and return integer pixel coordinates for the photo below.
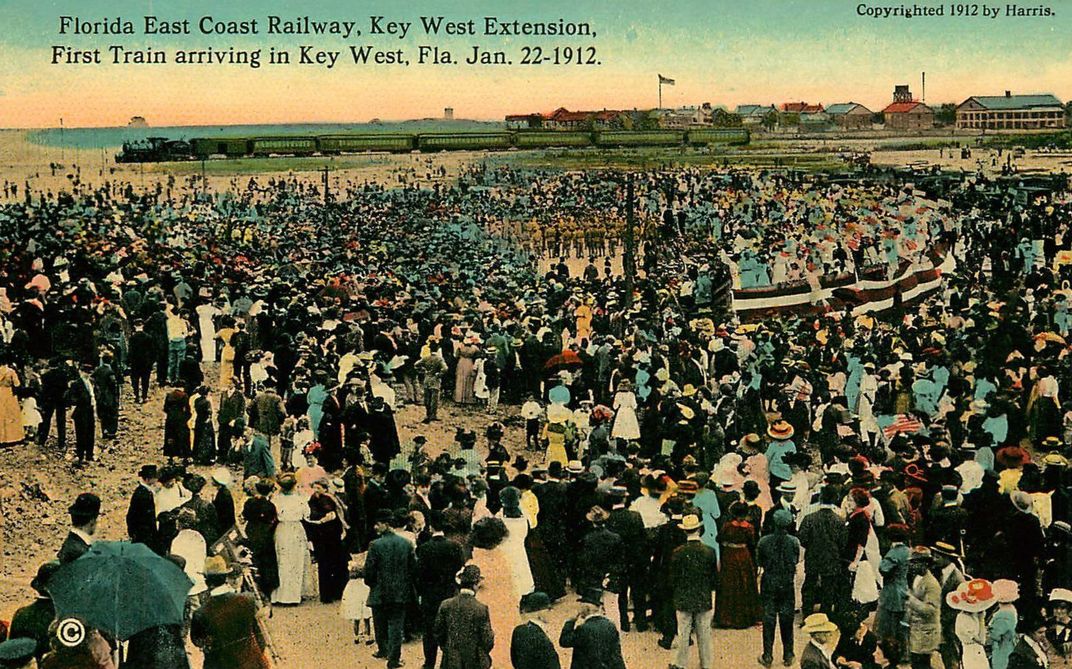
(316, 396)
(707, 502)
(1003, 637)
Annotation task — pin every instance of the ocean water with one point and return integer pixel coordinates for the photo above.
(96, 138)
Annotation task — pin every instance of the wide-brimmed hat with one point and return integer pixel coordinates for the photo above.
(818, 622)
(1022, 501)
(1012, 456)
(690, 523)
(216, 566)
(1006, 590)
(1062, 595)
(751, 439)
(689, 390)
(780, 430)
(974, 596)
(148, 472)
(787, 488)
(44, 574)
(921, 554)
(575, 467)
(558, 414)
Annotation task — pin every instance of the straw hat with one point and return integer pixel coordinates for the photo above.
(817, 623)
(690, 523)
(597, 514)
(1063, 595)
(216, 566)
(780, 430)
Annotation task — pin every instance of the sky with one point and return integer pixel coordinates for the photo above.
(726, 52)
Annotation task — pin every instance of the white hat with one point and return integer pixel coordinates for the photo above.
(222, 476)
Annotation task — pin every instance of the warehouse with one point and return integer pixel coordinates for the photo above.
(1010, 112)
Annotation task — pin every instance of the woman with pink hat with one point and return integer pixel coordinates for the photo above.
(971, 600)
(1002, 628)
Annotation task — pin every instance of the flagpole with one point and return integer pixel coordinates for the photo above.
(660, 92)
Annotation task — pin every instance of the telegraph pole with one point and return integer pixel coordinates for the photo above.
(326, 195)
(629, 262)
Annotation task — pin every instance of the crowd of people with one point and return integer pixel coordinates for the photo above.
(897, 483)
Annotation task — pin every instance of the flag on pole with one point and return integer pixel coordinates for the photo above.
(666, 80)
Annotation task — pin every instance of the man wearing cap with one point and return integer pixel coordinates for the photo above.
(592, 636)
(530, 647)
(226, 627)
(141, 516)
(817, 654)
(694, 579)
(33, 620)
(389, 574)
(84, 513)
(463, 625)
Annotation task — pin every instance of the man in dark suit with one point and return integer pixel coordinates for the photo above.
(438, 561)
(530, 647)
(80, 396)
(140, 358)
(636, 558)
(84, 513)
(389, 573)
(600, 553)
(823, 535)
(226, 626)
(463, 626)
(694, 579)
(777, 555)
(552, 518)
(141, 516)
(592, 636)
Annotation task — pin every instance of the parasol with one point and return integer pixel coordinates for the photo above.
(563, 360)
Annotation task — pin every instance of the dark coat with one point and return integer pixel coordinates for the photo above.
(812, 658)
(32, 622)
(389, 570)
(1024, 657)
(142, 351)
(600, 555)
(225, 509)
(141, 517)
(530, 648)
(595, 644)
(73, 548)
(157, 648)
(823, 535)
(438, 561)
(226, 629)
(694, 576)
(463, 630)
(629, 526)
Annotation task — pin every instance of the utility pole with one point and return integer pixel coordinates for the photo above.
(629, 262)
(204, 179)
(326, 195)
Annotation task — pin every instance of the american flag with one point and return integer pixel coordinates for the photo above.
(903, 422)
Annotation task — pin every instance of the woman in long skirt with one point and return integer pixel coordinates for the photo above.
(465, 375)
(11, 430)
(291, 542)
(737, 604)
(326, 529)
(261, 521)
(517, 530)
(204, 432)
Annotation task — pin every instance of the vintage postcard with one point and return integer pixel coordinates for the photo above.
(530, 335)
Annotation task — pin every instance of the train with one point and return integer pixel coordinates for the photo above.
(162, 149)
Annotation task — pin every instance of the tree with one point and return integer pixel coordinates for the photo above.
(724, 119)
(946, 114)
(770, 120)
(790, 119)
(1068, 110)
(649, 120)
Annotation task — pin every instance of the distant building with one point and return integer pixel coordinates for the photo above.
(1010, 112)
(801, 108)
(754, 114)
(815, 121)
(686, 117)
(564, 119)
(137, 122)
(850, 115)
(448, 113)
(905, 113)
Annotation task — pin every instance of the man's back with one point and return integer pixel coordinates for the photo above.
(595, 644)
(438, 560)
(389, 570)
(463, 628)
(531, 648)
(226, 629)
(694, 573)
(823, 535)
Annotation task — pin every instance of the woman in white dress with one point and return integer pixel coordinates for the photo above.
(971, 601)
(626, 425)
(291, 543)
(205, 315)
(517, 529)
